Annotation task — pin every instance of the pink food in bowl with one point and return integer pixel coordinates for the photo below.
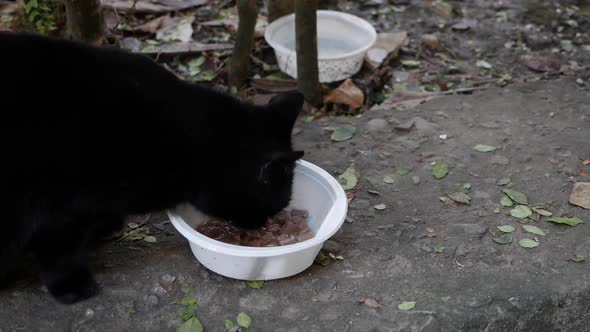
(287, 227)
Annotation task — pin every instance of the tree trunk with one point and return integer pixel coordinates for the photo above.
(85, 21)
(279, 8)
(240, 60)
(307, 50)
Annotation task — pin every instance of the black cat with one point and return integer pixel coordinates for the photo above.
(90, 135)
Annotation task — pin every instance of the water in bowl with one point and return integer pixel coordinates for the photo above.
(328, 47)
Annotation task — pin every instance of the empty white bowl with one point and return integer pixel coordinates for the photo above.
(313, 190)
(343, 41)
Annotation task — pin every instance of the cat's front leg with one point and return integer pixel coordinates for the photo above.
(61, 250)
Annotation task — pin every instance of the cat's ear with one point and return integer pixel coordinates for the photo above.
(278, 165)
(289, 157)
(287, 106)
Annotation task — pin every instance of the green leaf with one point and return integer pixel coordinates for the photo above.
(191, 325)
(207, 75)
(567, 221)
(323, 259)
(506, 201)
(189, 300)
(403, 171)
(483, 64)
(576, 258)
(380, 207)
(460, 197)
(439, 248)
(150, 239)
(516, 196)
(349, 178)
(440, 169)
(388, 179)
(406, 305)
(30, 5)
(484, 148)
(533, 229)
(521, 212)
(244, 320)
(194, 65)
(542, 212)
(256, 284)
(343, 133)
(528, 243)
(504, 181)
(503, 239)
(506, 228)
(229, 324)
(410, 63)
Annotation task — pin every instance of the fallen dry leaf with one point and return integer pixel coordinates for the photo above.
(586, 161)
(153, 25)
(273, 85)
(370, 303)
(386, 46)
(145, 6)
(430, 40)
(583, 172)
(541, 62)
(348, 94)
(231, 20)
(580, 195)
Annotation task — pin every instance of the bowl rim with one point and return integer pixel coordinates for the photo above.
(338, 210)
(355, 20)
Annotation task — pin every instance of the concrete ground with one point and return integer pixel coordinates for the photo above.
(542, 132)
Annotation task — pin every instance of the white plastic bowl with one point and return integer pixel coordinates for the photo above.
(343, 41)
(314, 190)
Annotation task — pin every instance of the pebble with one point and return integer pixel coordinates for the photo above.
(89, 313)
(332, 246)
(151, 300)
(481, 194)
(410, 145)
(159, 290)
(474, 229)
(415, 179)
(377, 125)
(424, 126)
(499, 160)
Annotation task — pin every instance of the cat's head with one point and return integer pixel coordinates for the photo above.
(255, 181)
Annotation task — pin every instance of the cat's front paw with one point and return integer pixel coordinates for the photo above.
(71, 287)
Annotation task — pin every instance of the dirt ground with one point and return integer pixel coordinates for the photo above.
(541, 132)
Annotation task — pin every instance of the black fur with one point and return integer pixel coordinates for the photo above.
(91, 135)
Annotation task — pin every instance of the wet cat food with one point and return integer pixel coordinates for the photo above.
(287, 227)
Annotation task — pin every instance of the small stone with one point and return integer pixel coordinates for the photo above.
(425, 127)
(377, 125)
(490, 125)
(499, 160)
(415, 179)
(474, 229)
(481, 195)
(580, 82)
(430, 40)
(159, 290)
(89, 313)
(332, 246)
(410, 145)
(168, 279)
(406, 126)
(151, 300)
